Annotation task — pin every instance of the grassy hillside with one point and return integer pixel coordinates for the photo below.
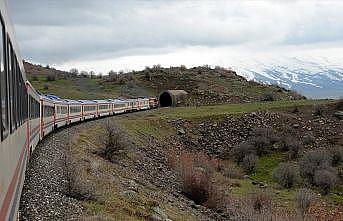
(145, 179)
(205, 85)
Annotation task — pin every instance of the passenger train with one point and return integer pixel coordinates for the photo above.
(27, 116)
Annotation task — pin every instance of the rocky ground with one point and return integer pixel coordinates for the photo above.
(216, 137)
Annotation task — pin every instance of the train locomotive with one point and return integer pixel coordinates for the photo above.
(27, 116)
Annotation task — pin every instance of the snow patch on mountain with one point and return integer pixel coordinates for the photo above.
(313, 77)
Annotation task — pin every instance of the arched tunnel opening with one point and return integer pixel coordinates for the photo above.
(166, 100)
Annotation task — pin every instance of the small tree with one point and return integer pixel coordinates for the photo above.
(286, 174)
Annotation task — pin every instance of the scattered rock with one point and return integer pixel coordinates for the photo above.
(181, 131)
(296, 125)
(160, 212)
(339, 115)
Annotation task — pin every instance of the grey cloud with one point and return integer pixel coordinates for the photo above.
(57, 31)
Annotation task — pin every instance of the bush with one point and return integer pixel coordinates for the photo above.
(263, 140)
(304, 198)
(232, 172)
(295, 110)
(261, 201)
(250, 163)
(325, 179)
(268, 97)
(50, 78)
(78, 186)
(113, 140)
(339, 104)
(291, 145)
(46, 86)
(308, 139)
(196, 184)
(317, 111)
(243, 150)
(286, 174)
(34, 78)
(196, 173)
(312, 161)
(337, 155)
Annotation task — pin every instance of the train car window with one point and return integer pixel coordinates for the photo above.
(64, 110)
(89, 108)
(75, 109)
(48, 111)
(34, 105)
(103, 107)
(10, 85)
(15, 88)
(3, 86)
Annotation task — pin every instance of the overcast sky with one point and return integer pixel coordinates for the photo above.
(101, 35)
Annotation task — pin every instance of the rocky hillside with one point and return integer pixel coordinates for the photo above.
(205, 85)
(181, 164)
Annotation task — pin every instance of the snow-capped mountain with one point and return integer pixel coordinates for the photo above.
(314, 78)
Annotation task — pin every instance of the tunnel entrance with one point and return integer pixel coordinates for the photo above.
(166, 100)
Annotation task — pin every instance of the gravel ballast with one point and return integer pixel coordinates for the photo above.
(44, 195)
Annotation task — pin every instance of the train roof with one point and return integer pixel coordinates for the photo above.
(101, 101)
(53, 97)
(87, 101)
(70, 101)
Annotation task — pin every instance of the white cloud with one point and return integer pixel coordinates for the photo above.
(107, 34)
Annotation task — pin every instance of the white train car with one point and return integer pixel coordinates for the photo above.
(104, 108)
(119, 106)
(143, 103)
(14, 147)
(133, 105)
(89, 109)
(74, 110)
(61, 111)
(47, 115)
(34, 116)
